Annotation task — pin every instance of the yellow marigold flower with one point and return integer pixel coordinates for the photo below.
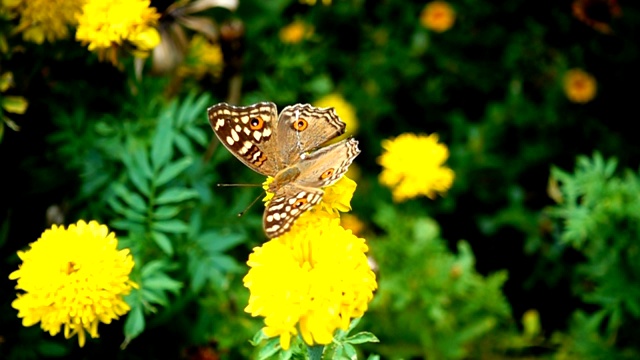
(106, 24)
(438, 16)
(42, 20)
(295, 32)
(579, 86)
(203, 57)
(324, 281)
(75, 278)
(344, 109)
(413, 166)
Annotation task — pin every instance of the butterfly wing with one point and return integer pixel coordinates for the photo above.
(287, 204)
(326, 165)
(318, 169)
(248, 133)
(303, 127)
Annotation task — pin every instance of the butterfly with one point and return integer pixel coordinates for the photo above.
(287, 148)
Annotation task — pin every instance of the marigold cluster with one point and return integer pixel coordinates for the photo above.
(324, 281)
(328, 279)
(42, 20)
(108, 24)
(72, 280)
(413, 165)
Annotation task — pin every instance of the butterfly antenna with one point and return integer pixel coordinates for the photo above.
(250, 205)
(239, 185)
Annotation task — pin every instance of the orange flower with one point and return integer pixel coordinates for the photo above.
(295, 32)
(438, 16)
(596, 13)
(579, 86)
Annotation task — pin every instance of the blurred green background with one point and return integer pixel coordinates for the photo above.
(533, 252)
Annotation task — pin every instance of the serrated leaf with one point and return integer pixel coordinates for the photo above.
(185, 110)
(199, 276)
(134, 200)
(134, 325)
(215, 242)
(152, 267)
(361, 338)
(183, 144)
(174, 195)
(198, 135)
(155, 297)
(163, 242)
(141, 162)
(126, 224)
(139, 180)
(165, 212)
(174, 226)
(269, 349)
(224, 262)
(162, 282)
(171, 171)
(162, 145)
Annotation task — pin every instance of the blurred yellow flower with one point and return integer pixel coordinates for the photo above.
(313, 2)
(107, 24)
(203, 57)
(42, 20)
(413, 166)
(438, 16)
(312, 280)
(353, 223)
(344, 109)
(73, 278)
(295, 32)
(579, 86)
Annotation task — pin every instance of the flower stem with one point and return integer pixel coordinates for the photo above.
(315, 352)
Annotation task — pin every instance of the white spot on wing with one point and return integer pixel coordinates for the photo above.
(235, 136)
(230, 140)
(257, 135)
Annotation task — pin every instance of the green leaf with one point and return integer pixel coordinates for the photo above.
(165, 212)
(163, 242)
(361, 338)
(174, 226)
(269, 349)
(224, 262)
(350, 352)
(214, 241)
(141, 162)
(174, 195)
(126, 224)
(162, 282)
(137, 173)
(198, 135)
(135, 324)
(172, 170)
(132, 199)
(162, 145)
(184, 145)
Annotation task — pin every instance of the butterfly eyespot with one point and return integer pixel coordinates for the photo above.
(299, 203)
(300, 125)
(256, 123)
(327, 174)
